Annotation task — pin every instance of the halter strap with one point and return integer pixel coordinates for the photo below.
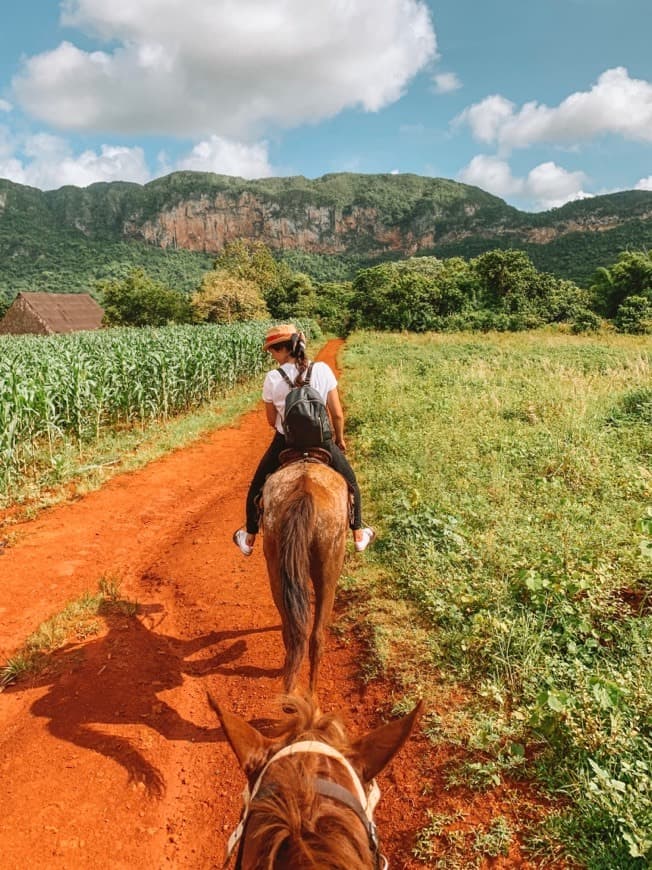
(335, 791)
(316, 747)
(362, 804)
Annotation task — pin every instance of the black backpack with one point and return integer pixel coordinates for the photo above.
(306, 422)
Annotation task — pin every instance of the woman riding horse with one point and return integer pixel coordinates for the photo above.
(288, 348)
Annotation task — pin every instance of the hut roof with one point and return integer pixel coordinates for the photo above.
(64, 312)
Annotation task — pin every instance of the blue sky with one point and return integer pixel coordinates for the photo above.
(539, 103)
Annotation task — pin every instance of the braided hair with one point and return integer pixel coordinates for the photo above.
(296, 347)
(298, 353)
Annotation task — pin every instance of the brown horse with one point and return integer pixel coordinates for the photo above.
(305, 523)
(311, 791)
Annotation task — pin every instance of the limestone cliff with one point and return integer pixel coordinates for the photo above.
(207, 224)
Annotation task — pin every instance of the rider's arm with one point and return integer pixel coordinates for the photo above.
(337, 416)
(270, 411)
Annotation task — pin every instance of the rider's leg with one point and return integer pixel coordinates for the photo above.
(268, 464)
(362, 535)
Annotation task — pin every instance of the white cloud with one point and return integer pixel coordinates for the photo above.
(228, 158)
(446, 82)
(551, 186)
(487, 118)
(5, 106)
(644, 183)
(616, 104)
(491, 174)
(47, 162)
(195, 68)
(546, 186)
(7, 144)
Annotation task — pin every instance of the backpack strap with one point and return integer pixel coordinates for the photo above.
(298, 382)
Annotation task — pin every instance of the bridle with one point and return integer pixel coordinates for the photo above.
(362, 804)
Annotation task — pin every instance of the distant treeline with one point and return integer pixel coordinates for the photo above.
(498, 290)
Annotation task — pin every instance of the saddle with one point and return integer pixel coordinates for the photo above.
(304, 454)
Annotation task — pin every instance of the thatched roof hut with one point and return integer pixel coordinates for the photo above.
(48, 313)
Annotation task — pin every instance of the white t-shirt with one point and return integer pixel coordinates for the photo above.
(275, 389)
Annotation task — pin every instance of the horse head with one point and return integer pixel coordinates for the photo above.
(311, 790)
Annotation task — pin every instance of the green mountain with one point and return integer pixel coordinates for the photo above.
(63, 240)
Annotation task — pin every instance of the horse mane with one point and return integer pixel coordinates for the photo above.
(295, 826)
(302, 830)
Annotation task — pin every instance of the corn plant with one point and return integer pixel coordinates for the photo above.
(73, 386)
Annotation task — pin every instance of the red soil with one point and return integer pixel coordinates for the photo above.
(112, 757)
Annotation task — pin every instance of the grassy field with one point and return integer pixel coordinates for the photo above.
(510, 478)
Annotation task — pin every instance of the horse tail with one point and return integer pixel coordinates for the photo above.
(297, 522)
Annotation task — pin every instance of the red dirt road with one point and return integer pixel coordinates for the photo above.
(112, 757)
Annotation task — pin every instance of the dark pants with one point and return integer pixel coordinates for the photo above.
(270, 462)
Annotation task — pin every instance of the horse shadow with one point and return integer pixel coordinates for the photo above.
(116, 679)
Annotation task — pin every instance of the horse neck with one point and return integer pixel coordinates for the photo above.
(290, 825)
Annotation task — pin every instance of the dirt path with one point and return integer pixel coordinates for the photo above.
(112, 758)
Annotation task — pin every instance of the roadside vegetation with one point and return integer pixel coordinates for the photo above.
(510, 480)
(79, 620)
(87, 404)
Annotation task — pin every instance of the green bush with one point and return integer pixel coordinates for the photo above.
(585, 320)
(634, 316)
(139, 300)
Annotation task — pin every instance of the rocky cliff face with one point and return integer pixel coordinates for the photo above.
(207, 224)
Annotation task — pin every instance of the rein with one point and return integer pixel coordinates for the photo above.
(363, 805)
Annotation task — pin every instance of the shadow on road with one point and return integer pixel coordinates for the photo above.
(116, 680)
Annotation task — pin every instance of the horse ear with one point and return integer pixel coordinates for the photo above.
(250, 746)
(377, 748)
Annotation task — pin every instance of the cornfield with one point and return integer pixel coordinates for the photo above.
(72, 386)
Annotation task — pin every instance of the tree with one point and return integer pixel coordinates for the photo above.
(561, 300)
(5, 301)
(287, 294)
(333, 306)
(293, 297)
(630, 275)
(410, 294)
(506, 279)
(635, 316)
(138, 300)
(223, 298)
(251, 261)
(508, 282)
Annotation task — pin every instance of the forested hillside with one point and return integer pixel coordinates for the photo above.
(329, 227)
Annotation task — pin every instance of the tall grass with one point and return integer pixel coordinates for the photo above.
(73, 386)
(511, 477)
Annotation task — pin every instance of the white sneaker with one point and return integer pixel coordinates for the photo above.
(368, 536)
(240, 540)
